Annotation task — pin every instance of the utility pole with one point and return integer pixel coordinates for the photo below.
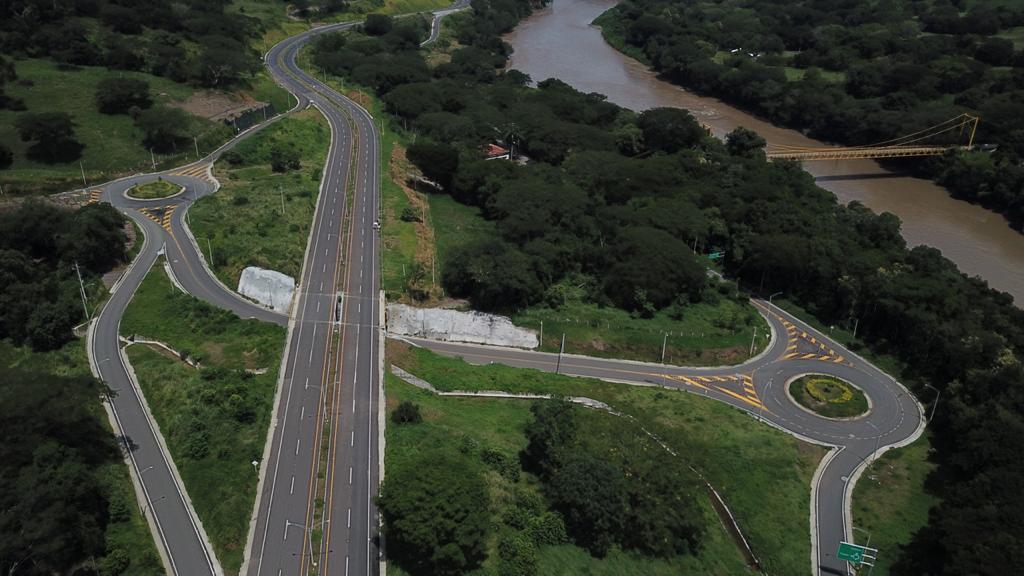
(81, 290)
(281, 190)
(752, 338)
(856, 322)
(541, 345)
(82, 168)
(664, 344)
(935, 404)
(195, 141)
(561, 350)
(152, 159)
(210, 248)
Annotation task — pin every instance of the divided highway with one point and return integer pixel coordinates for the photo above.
(330, 380)
(333, 346)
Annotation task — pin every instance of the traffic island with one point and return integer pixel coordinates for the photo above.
(155, 190)
(828, 396)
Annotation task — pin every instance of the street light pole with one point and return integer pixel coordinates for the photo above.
(195, 142)
(558, 365)
(935, 403)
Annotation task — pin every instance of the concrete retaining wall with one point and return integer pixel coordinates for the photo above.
(455, 326)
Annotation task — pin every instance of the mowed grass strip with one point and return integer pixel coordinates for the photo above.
(763, 475)
(890, 500)
(215, 418)
(705, 334)
(477, 424)
(828, 396)
(260, 217)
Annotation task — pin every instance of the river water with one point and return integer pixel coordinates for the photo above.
(559, 42)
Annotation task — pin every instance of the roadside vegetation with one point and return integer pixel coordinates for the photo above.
(858, 75)
(631, 201)
(64, 469)
(93, 90)
(262, 214)
(891, 503)
(828, 396)
(40, 245)
(744, 460)
(159, 188)
(213, 416)
(427, 235)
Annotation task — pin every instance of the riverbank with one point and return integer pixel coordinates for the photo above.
(977, 240)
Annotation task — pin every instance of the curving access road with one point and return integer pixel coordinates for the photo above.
(324, 442)
(759, 388)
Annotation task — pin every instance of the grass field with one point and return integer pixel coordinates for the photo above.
(132, 534)
(112, 143)
(153, 190)
(244, 221)
(763, 475)
(706, 335)
(214, 419)
(500, 425)
(829, 397)
(890, 501)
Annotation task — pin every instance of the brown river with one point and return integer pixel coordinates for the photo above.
(559, 42)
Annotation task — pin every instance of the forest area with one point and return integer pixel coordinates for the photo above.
(92, 89)
(615, 203)
(67, 505)
(856, 73)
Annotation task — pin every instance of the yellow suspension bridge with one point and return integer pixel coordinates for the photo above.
(919, 143)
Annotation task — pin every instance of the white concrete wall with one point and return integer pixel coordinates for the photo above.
(272, 289)
(455, 326)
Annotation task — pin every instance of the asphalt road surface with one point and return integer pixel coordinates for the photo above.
(759, 387)
(180, 533)
(338, 297)
(334, 338)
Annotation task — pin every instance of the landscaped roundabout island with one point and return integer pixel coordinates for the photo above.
(828, 396)
(154, 190)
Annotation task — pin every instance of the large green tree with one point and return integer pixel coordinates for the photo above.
(52, 134)
(436, 515)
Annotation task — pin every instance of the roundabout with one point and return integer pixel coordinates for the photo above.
(158, 189)
(828, 396)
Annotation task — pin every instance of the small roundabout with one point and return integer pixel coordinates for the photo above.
(828, 396)
(158, 189)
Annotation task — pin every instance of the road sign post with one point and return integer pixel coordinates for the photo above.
(856, 554)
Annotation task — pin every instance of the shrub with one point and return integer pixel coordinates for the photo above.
(406, 413)
(518, 556)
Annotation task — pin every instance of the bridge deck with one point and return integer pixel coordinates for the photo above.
(846, 153)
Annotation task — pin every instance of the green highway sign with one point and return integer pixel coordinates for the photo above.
(855, 554)
(716, 255)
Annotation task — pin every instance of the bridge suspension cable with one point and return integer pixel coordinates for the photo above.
(906, 145)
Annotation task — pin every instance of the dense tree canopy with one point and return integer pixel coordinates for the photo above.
(119, 95)
(856, 73)
(53, 509)
(193, 40)
(52, 135)
(435, 515)
(39, 245)
(612, 203)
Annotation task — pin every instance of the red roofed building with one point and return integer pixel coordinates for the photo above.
(495, 152)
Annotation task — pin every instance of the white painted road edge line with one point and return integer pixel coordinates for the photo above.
(268, 443)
